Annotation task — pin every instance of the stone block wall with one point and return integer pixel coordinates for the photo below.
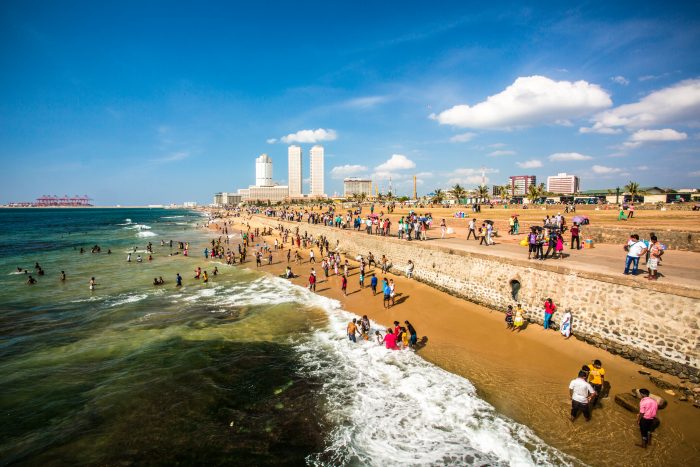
(655, 325)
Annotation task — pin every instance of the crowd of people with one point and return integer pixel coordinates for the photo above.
(397, 338)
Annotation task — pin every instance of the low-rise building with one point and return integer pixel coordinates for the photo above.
(357, 186)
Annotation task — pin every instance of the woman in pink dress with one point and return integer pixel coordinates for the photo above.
(560, 246)
(390, 339)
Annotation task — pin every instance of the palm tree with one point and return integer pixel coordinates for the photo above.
(482, 192)
(533, 193)
(633, 189)
(503, 191)
(438, 196)
(458, 192)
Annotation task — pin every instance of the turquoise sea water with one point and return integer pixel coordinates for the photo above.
(247, 369)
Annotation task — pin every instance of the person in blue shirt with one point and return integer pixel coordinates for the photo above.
(373, 284)
(387, 293)
(179, 280)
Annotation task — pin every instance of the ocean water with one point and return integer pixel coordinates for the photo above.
(247, 369)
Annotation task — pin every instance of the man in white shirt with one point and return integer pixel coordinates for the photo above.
(635, 249)
(581, 393)
(472, 229)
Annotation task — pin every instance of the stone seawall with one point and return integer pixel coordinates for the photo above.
(653, 324)
(674, 240)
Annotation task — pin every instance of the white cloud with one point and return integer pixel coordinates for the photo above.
(271, 140)
(172, 157)
(643, 167)
(396, 162)
(310, 136)
(569, 156)
(342, 171)
(695, 173)
(644, 136)
(497, 145)
(529, 100)
(531, 164)
(679, 103)
(469, 176)
(603, 170)
(365, 102)
(502, 152)
(462, 138)
(666, 134)
(468, 180)
(620, 80)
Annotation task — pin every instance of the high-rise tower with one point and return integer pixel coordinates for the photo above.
(316, 164)
(263, 170)
(295, 171)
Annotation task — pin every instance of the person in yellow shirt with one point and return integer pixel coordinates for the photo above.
(596, 378)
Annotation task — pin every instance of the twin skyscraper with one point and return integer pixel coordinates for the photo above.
(296, 179)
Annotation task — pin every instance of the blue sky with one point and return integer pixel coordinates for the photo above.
(158, 102)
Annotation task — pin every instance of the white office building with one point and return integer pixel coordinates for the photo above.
(263, 170)
(295, 172)
(316, 164)
(563, 183)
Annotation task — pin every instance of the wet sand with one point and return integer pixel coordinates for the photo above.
(525, 375)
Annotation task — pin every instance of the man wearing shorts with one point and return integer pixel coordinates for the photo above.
(581, 394)
(655, 252)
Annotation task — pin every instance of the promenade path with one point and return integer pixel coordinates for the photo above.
(678, 269)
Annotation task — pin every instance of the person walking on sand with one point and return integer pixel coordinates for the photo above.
(581, 393)
(344, 284)
(646, 419)
(387, 293)
(443, 228)
(392, 291)
(565, 327)
(373, 284)
(549, 309)
(575, 238)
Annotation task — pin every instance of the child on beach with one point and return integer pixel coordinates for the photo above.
(373, 284)
(344, 285)
(509, 317)
(362, 280)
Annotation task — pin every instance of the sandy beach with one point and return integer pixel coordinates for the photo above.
(525, 375)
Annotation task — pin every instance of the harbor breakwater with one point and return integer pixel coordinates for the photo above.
(653, 324)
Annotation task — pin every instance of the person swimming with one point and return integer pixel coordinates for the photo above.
(215, 271)
(92, 283)
(63, 276)
(31, 281)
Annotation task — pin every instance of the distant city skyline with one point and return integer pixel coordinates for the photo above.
(169, 102)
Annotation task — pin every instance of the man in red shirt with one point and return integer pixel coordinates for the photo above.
(646, 417)
(575, 230)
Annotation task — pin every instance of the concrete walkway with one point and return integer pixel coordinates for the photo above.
(677, 269)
